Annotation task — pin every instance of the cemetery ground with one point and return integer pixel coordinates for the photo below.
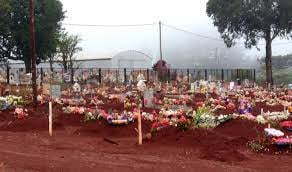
(82, 147)
(79, 145)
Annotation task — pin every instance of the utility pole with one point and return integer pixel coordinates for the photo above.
(160, 71)
(33, 51)
(160, 44)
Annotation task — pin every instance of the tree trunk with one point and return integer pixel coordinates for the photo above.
(268, 60)
(51, 64)
(27, 63)
(65, 65)
(72, 70)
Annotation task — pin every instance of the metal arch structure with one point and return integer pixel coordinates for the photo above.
(132, 52)
(128, 59)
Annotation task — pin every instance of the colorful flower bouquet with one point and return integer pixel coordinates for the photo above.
(272, 132)
(287, 125)
(20, 113)
(159, 125)
(120, 119)
(275, 116)
(283, 141)
(9, 101)
(74, 110)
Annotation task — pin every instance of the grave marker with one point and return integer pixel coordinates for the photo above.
(148, 98)
(56, 91)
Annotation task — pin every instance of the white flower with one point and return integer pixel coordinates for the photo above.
(260, 119)
(273, 132)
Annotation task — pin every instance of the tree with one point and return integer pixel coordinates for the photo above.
(67, 48)
(14, 20)
(252, 20)
(6, 46)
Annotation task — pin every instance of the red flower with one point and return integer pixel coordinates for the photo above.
(231, 106)
(286, 124)
(183, 119)
(200, 104)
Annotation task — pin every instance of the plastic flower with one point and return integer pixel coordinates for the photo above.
(271, 132)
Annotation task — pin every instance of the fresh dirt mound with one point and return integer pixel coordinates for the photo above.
(211, 145)
(23, 125)
(103, 129)
(240, 128)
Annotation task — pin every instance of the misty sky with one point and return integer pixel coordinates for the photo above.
(186, 14)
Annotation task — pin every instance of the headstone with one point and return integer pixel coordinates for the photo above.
(212, 85)
(141, 86)
(67, 77)
(76, 88)
(192, 87)
(11, 79)
(246, 83)
(56, 91)
(210, 78)
(148, 98)
(231, 85)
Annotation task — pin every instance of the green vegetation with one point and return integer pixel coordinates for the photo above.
(14, 29)
(252, 20)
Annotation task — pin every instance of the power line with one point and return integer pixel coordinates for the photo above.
(198, 35)
(93, 25)
(208, 37)
(169, 26)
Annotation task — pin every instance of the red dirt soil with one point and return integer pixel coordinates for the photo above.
(79, 146)
(97, 146)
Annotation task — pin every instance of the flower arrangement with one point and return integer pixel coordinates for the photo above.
(275, 116)
(9, 101)
(261, 120)
(20, 113)
(94, 114)
(97, 102)
(183, 123)
(287, 125)
(283, 141)
(290, 109)
(74, 110)
(203, 118)
(200, 104)
(245, 107)
(223, 118)
(128, 104)
(272, 132)
(230, 106)
(120, 119)
(159, 125)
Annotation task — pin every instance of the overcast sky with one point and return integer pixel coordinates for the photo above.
(107, 41)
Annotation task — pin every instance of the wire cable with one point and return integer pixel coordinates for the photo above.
(208, 37)
(93, 25)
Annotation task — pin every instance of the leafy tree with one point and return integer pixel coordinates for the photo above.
(252, 20)
(15, 23)
(67, 49)
(6, 46)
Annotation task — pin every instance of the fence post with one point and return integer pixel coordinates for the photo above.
(188, 72)
(8, 74)
(168, 75)
(148, 75)
(222, 74)
(42, 76)
(254, 75)
(99, 75)
(125, 75)
(206, 75)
